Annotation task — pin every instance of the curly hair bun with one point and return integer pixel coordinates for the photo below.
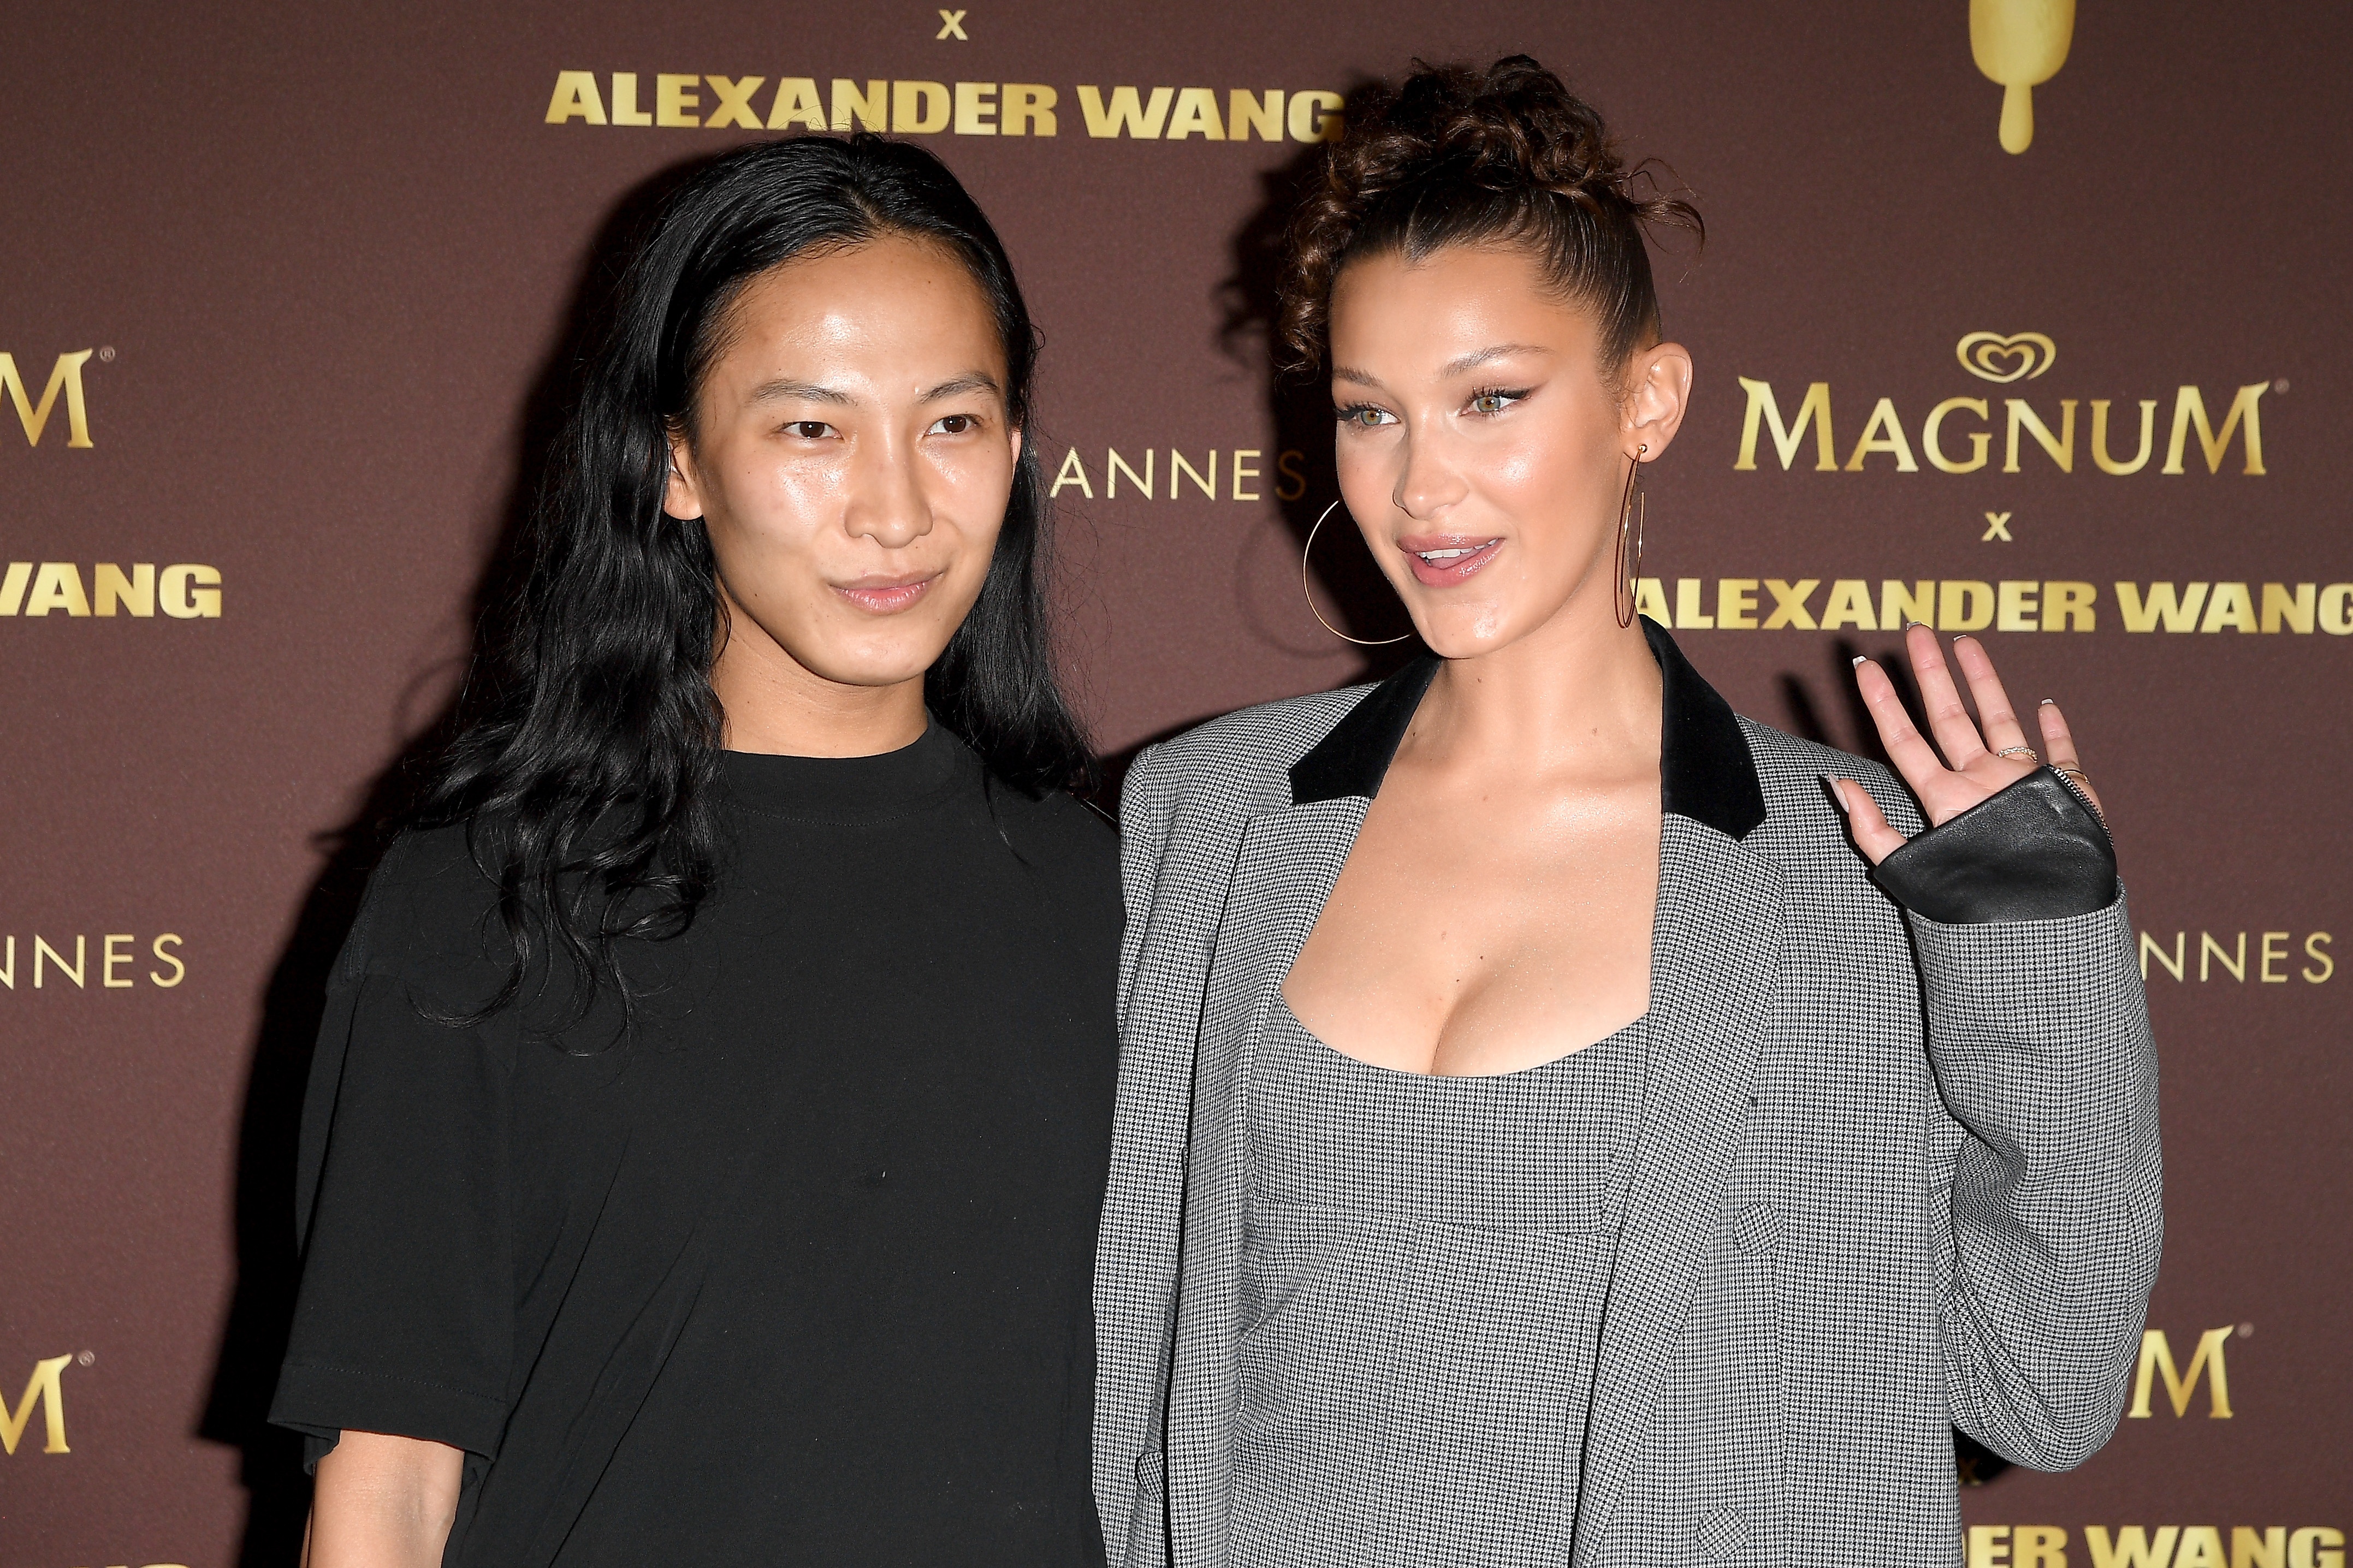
(1514, 126)
(1455, 155)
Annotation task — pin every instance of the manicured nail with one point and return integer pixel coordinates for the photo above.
(1860, 660)
(1909, 625)
(2047, 702)
(1837, 793)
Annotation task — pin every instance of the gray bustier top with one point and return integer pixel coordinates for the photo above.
(1422, 1283)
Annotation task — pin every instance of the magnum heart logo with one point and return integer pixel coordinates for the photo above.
(2020, 356)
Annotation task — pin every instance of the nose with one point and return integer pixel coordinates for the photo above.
(1427, 484)
(887, 502)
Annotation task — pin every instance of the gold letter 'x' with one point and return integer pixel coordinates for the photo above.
(1997, 527)
(951, 26)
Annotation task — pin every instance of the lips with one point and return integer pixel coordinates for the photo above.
(1442, 560)
(886, 595)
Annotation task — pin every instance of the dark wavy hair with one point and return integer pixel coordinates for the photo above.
(1455, 155)
(585, 757)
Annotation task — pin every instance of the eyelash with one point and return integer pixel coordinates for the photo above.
(817, 430)
(1511, 396)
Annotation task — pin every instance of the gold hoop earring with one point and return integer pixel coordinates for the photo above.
(1633, 511)
(1304, 551)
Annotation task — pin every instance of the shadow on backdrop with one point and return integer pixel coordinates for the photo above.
(1350, 591)
(254, 1341)
(1855, 731)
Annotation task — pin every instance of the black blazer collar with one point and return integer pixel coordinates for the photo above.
(1705, 771)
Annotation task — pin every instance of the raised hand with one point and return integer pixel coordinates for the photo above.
(1982, 759)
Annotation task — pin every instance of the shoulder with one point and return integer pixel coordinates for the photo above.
(1794, 775)
(1058, 828)
(1244, 757)
(435, 866)
(428, 904)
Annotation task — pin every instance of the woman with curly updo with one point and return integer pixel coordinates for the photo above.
(1561, 1121)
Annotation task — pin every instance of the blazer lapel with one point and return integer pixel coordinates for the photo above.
(1287, 865)
(1716, 961)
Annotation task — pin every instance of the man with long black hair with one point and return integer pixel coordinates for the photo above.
(702, 1156)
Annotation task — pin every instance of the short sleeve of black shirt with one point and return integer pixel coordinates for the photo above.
(405, 1320)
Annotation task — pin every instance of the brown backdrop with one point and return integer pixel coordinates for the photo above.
(326, 260)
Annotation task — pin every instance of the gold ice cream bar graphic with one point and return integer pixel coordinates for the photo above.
(2021, 43)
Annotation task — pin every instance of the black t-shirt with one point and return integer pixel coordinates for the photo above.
(797, 1272)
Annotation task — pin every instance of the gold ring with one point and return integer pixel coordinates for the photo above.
(2082, 791)
(2019, 751)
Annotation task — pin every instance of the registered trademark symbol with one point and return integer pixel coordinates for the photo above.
(2246, 1331)
(107, 355)
(87, 1357)
(2280, 386)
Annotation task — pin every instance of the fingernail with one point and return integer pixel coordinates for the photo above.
(2047, 702)
(1837, 793)
(1861, 660)
(1909, 625)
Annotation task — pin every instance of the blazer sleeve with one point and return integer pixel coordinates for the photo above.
(1136, 1252)
(2049, 1219)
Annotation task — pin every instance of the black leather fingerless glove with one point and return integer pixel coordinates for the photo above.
(2033, 851)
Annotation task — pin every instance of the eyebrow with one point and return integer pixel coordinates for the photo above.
(1453, 367)
(785, 387)
(957, 386)
(1501, 350)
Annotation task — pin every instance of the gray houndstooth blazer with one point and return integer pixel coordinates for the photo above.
(1892, 1176)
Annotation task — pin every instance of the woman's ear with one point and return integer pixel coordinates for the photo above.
(1659, 382)
(682, 497)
